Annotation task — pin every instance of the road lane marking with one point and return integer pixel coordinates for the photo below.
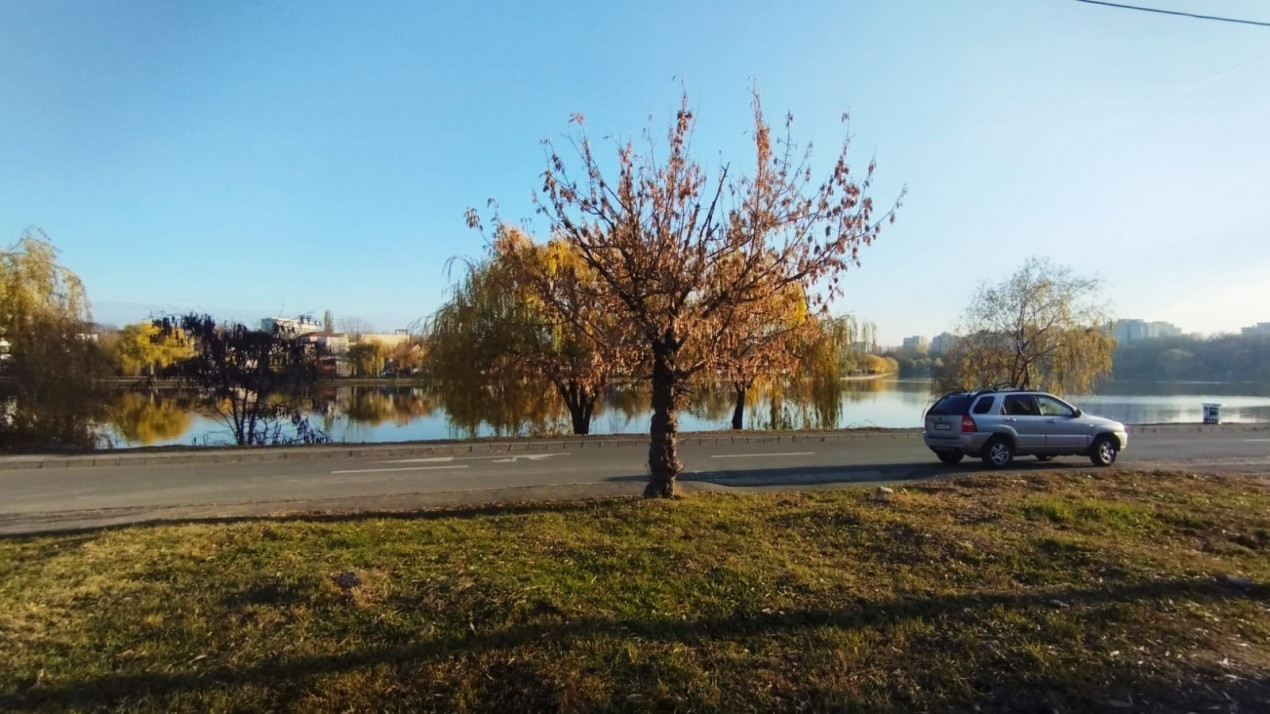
(1257, 440)
(758, 456)
(500, 458)
(527, 457)
(431, 459)
(403, 468)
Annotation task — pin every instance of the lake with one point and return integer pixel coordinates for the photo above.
(414, 413)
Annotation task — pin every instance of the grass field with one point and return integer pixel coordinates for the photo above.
(1068, 592)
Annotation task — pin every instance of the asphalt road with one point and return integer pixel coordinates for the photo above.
(59, 496)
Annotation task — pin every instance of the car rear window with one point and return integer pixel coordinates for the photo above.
(984, 405)
(953, 404)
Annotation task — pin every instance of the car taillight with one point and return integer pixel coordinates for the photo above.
(968, 425)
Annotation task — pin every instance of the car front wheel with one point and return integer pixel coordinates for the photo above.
(1105, 451)
(950, 457)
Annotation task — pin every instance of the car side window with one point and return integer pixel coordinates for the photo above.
(985, 405)
(1020, 405)
(1054, 408)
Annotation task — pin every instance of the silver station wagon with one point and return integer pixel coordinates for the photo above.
(1000, 424)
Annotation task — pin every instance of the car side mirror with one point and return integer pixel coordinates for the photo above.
(1078, 414)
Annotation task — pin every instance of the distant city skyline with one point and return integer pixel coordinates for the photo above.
(1120, 328)
(272, 159)
(1125, 331)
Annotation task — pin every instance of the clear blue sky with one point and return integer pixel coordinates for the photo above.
(264, 158)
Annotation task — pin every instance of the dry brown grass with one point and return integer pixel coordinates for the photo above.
(1068, 591)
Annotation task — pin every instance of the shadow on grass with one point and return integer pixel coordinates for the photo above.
(467, 511)
(117, 688)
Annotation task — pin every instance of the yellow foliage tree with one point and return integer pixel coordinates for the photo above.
(367, 358)
(143, 348)
(877, 364)
(56, 366)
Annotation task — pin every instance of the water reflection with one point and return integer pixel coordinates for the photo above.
(375, 406)
(1135, 409)
(434, 411)
(146, 419)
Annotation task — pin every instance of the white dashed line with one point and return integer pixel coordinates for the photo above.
(762, 456)
(500, 458)
(404, 468)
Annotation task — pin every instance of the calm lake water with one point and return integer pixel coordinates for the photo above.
(387, 414)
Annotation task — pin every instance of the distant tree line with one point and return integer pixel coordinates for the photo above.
(911, 363)
(1243, 358)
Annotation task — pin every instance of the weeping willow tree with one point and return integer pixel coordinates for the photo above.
(763, 342)
(796, 381)
(495, 333)
(826, 355)
(825, 350)
(1042, 328)
(784, 348)
(56, 365)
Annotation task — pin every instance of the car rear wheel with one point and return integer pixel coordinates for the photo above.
(950, 457)
(998, 453)
(1104, 451)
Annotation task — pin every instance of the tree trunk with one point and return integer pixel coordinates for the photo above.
(738, 414)
(581, 404)
(663, 461)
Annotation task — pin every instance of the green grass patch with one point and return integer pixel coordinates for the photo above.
(1055, 590)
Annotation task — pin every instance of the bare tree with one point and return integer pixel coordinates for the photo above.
(355, 327)
(688, 259)
(253, 381)
(1042, 328)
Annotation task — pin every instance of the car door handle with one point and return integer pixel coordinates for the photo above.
(1051, 421)
(1008, 419)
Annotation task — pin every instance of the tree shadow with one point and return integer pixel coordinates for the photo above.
(427, 513)
(1015, 687)
(803, 475)
(915, 471)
